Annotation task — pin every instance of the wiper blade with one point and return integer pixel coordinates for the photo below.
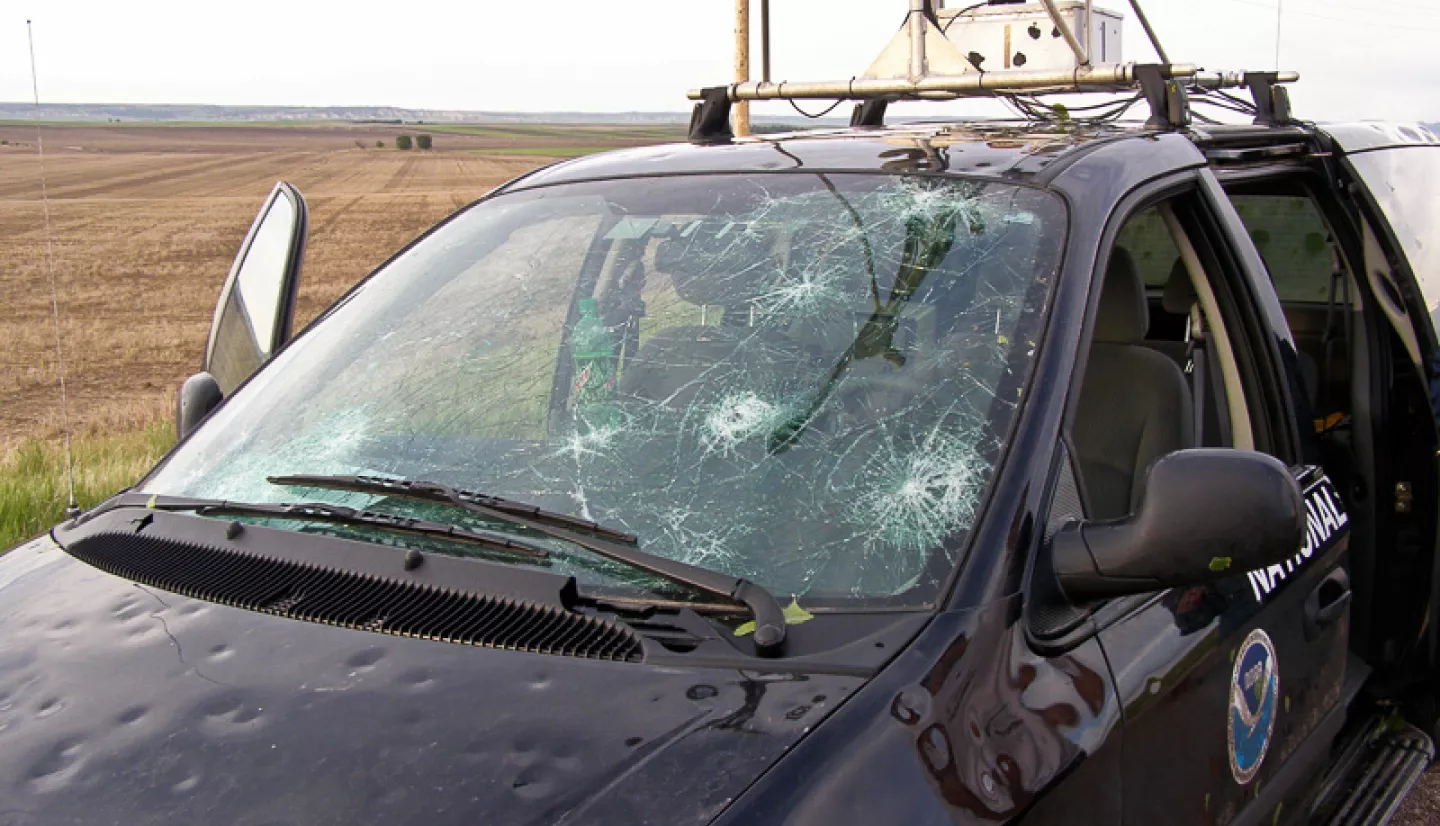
(338, 514)
(769, 636)
(447, 495)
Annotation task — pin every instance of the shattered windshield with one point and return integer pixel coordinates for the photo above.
(800, 379)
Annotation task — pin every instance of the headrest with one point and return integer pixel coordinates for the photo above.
(1124, 315)
(720, 265)
(1180, 294)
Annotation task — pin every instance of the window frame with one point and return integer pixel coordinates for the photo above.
(1253, 316)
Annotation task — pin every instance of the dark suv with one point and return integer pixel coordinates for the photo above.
(940, 473)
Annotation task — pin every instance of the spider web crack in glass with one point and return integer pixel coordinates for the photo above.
(800, 379)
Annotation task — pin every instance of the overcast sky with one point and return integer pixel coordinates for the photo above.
(1359, 58)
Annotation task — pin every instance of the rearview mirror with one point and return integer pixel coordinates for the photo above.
(252, 319)
(199, 395)
(1204, 515)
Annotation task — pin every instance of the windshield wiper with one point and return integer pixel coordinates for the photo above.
(769, 618)
(446, 495)
(338, 514)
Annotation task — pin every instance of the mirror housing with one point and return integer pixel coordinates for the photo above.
(199, 395)
(1204, 515)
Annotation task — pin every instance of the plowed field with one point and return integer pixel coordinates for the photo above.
(146, 220)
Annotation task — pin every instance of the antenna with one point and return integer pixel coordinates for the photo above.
(72, 508)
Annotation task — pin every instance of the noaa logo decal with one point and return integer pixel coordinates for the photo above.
(1254, 692)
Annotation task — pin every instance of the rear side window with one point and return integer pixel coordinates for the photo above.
(1151, 247)
(1292, 238)
(1405, 181)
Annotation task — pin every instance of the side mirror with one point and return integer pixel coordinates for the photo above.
(199, 395)
(252, 319)
(1204, 515)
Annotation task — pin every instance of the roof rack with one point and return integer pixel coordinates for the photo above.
(925, 61)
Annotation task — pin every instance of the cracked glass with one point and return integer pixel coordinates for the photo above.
(800, 379)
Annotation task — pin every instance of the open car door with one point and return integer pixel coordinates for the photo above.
(257, 303)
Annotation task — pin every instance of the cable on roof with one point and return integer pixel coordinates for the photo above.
(948, 23)
(797, 108)
(1031, 107)
(1221, 100)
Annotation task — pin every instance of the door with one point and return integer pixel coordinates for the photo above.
(257, 302)
(1231, 691)
(1400, 170)
(1394, 178)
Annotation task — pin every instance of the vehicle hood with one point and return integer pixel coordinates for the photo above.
(125, 704)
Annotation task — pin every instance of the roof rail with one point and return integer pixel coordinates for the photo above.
(924, 61)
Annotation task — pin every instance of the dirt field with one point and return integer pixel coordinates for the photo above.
(146, 220)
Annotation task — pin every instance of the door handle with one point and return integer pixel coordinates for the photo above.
(1327, 603)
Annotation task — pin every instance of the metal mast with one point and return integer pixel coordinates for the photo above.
(742, 63)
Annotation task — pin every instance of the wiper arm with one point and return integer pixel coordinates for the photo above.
(769, 618)
(446, 495)
(338, 514)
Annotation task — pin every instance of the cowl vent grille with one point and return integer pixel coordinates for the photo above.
(369, 603)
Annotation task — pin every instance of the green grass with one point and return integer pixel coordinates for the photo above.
(32, 478)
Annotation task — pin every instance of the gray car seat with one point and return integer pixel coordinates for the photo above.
(725, 273)
(1134, 404)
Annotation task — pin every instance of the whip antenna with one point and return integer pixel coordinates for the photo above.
(72, 508)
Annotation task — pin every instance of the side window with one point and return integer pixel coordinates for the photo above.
(1295, 243)
(1321, 300)
(1157, 259)
(1320, 303)
(1160, 372)
(1152, 248)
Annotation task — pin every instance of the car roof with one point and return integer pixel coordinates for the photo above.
(1005, 150)
(1358, 137)
(1002, 150)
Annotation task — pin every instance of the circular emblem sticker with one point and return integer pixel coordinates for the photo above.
(1254, 691)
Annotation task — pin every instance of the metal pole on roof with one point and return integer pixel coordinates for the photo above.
(765, 40)
(742, 64)
(1089, 28)
(940, 87)
(1149, 32)
(917, 39)
(1080, 55)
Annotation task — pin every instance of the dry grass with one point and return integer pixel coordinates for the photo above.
(145, 222)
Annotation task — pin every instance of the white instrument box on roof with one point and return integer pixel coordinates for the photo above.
(1023, 36)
